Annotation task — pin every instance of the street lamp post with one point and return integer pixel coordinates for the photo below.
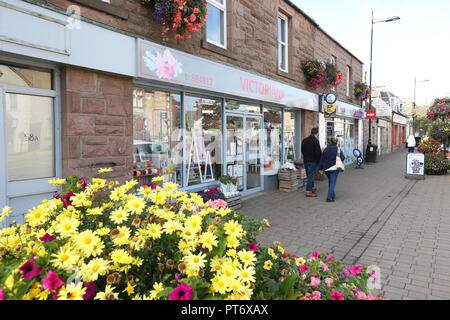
(414, 102)
(371, 60)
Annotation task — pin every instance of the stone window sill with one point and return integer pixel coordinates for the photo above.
(285, 75)
(216, 49)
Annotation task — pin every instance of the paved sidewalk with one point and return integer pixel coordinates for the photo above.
(379, 218)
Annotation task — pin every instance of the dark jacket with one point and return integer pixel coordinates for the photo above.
(311, 150)
(329, 157)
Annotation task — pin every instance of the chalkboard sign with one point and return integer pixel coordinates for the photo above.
(415, 166)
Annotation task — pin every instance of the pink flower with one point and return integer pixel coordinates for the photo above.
(346, 272)
(303, 268)
(315, 255)
(66, 199)
(315, 282)
(329, 281)
(356, 270)
(182, 292)
(46, 238)
(166, 64)
(253, 247)
(294, 256)
(336, 295)
(2, 296)
(323, 267)
(52, 282)
(361, 295)
(374, 275)
(196, 10)
(90, 290)
(330, 258)
(29, 269)
(316, 295)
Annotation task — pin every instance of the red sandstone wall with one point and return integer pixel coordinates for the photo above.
(97, 123)
(252, 37)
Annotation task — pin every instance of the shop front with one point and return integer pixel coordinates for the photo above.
(399, 124)
(345, 126)
(196, 120)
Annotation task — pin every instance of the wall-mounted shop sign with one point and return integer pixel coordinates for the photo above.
(383, 123)
(399, 119)
(384, 111)
(161, 63)
(348, 110)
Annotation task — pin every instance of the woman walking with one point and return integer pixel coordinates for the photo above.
(411, 143)
(328, 164)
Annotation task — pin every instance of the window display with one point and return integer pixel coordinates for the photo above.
(272, 141)
(289, 136)
(233, 105)
(203, 139)
(157, 136)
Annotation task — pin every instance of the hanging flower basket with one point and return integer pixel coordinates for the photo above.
(314, 71)
(333, 76)
(318, 74)
(182, 17)
(362, 91)
(439, 110)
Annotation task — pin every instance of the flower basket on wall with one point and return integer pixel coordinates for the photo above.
(439, 110)
(182, 17)
(314, 71)
(318, 74)
(362, 91)
(334, 76)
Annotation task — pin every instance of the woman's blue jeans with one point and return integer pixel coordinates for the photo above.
(332, 179)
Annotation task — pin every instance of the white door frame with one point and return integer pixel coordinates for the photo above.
(10, 190)
(244, 117)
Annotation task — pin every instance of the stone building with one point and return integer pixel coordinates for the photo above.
(229, 102)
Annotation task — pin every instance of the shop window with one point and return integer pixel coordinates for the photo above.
(282, 42)
(25, 77)
(30, 137)
(157, 136)
(203, 157)
(272, 140)
(289, 137)
(233, 105)
(216, 24)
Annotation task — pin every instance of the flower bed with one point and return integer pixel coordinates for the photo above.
(436, 164)
(98, 240)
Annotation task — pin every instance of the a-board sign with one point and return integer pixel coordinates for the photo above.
(415, 166)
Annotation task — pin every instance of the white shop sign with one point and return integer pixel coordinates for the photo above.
(384, 111)
(161, 63)
(383, 123)
(415, 165)
(399, 119)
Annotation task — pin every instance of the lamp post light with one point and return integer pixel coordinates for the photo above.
(370, 84)
(414, 101)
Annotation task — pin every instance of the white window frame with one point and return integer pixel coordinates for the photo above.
(333, 60)
(285, 43)
(223, 8)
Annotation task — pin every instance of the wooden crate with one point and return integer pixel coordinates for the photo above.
(235, 202)
(288, 180)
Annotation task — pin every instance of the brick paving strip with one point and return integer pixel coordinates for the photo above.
(379, 218)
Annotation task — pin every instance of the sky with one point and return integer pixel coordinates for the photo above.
(416, 46)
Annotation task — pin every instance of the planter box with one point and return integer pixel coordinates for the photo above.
(288, 180)
(234, 203)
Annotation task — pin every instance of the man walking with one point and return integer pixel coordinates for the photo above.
(311, 157)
